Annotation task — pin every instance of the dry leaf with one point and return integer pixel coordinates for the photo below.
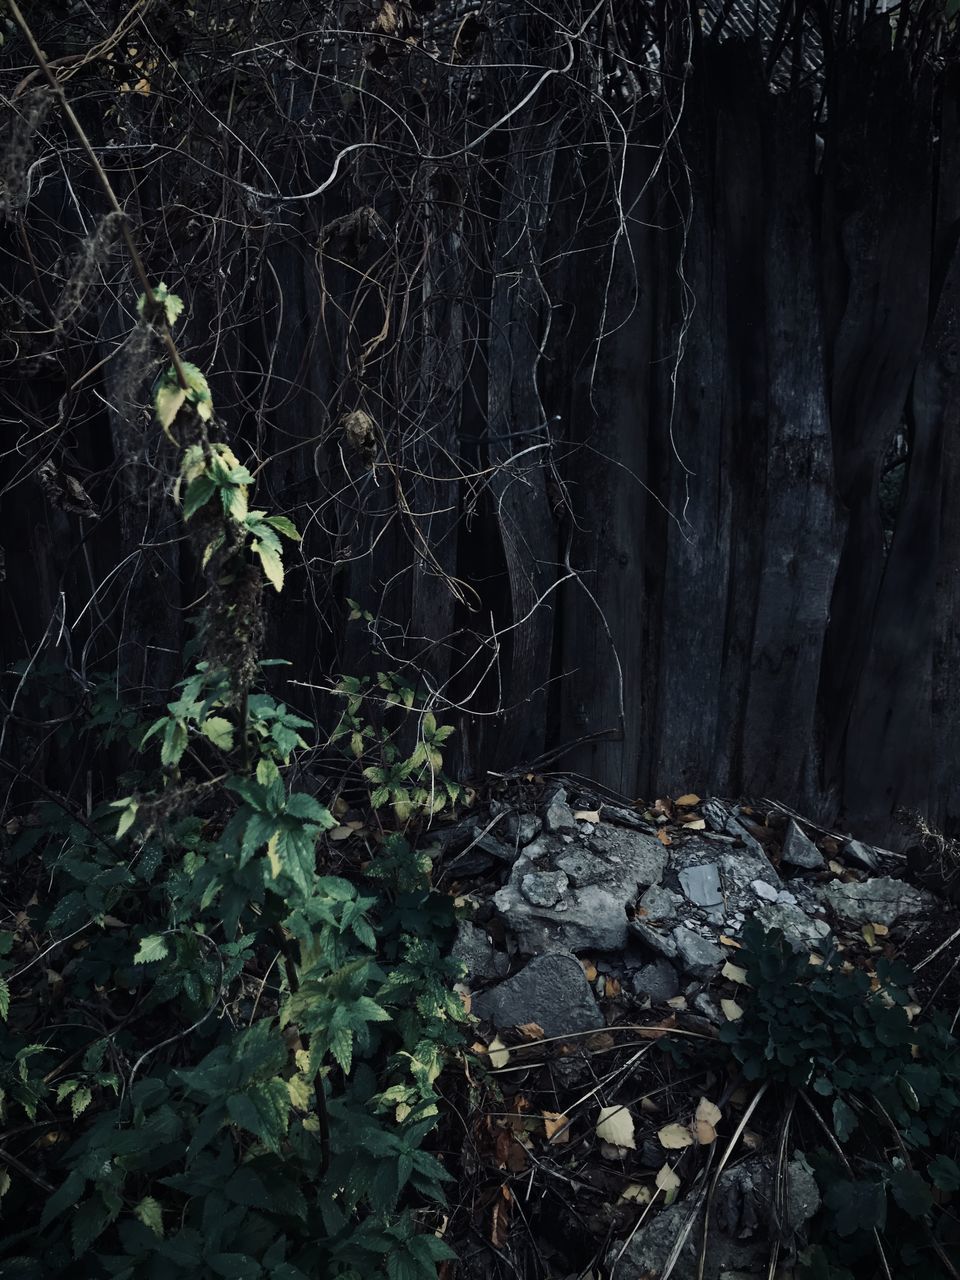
(667, 1180)
(556, 1126)
(675, 1136)
(813, 958)
(726, 941)
(587, 815)
(500, 1226)
(705, 1121)
(612, 988)
(531, 1031)
(731, 1010)
(648, 1105)
(697, 824)
(684, 802)
(734, 973)
(463, 991)
(663, 837)
(677, 1002)
(709, 1111)
(616, 1127)
(636, 1193)
(661, 1029)
(869, 935)
(499, 1053)
(751, 1140)
(340, 833)
(836, 867)
(589, 969)
(881, 930)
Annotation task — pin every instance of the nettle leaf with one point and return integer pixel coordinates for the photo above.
(128, 815)
(199, 492)
(199, 390)
(4, 999)
(234, 499)
(303, 806)
(148, 1212)
(151, 949)
(174, 742)
(271, 562)
(284, 526)
(220, 732)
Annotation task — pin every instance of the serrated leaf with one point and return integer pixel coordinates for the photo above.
(167, 402)
(675, 1136)
(267, 772)
(127, 818)
(273, 847)
(199, 492)
(284, 526)
(220, 732)
(271, 562)
(234, 499)
(4, 999)
(148, 1211)
(616, 1126)
(151, 949)
(79, 1101)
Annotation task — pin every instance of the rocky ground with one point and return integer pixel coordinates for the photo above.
(595, 934)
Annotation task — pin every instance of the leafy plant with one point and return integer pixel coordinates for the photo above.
(889, 1086)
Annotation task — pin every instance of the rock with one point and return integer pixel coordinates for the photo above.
(699, 955)
(738, 1241)
(625, 817)
(739, 868)
(476, 952)
(544, 888)
(552, 990)
(558, 816)
(701, 884)
(603, 882)
(786, 899)
(660, 903)
(644, 855)
(802, 932)
(764, 890)
(799, 850)
(864, 855)
(521, 828)
(657, 981)
(654, 939)
(881, 900)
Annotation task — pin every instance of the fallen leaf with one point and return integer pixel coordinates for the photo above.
(500, 1226)
(601, 1041)
(734, 973)
(697, 824)
(726, 941)
(751, 1140)
(589, 969)
(881, 930)
(340, 833)
(661, 1029)
(531, 1031)
(677, 1002)
(663, 837)
(705, 1121)
(463, 991)
(636, 1193)
(648, 1105)
(684, 802)
(667, 1180)
(869, 935)
(612, 988)
(587, 815)
(675, 1136)
(556, 1126)
(836, 868)
(731, 1010)
(709, 1111)
(813, 958)
(616, 1127)
(499, 1053)
(509, 1152)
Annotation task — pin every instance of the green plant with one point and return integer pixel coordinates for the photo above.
(220, 1060)
(881, 1086)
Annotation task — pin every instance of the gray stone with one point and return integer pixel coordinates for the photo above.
(654, 939)
(864, 855)
(558, 816)
(521, 828)
(701, 884)
(738, 1241)
(476, 952)
(699, 955)
(659, 903)
(552, 990)
(786, 899)
(591, 915)
(625, 817)
(881, 900)
(658, 981)
(740, 867)
(642, 857)
(799, 850)
(544, 888)
(764, 890)
(798, 928)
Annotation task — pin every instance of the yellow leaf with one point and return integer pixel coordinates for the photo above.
(698, 824)
(667, 1180)
(677, 1002)
(734, 973)
(499, 1053)
(556, 1126)
(731, 1010)
(301, 1093)
(704, 1133)
(616, 1127)
(880, 930)
(675, 1136)
(587, 815)
(169, 400)
(708, 1111)
(705, 1121)
(869, 936)
(729, 942)
(275, 865)
(636, 1193)
(686, 801)
(589, 969)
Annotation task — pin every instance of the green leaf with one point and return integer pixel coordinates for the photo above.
(168, 401)
(284, 526)
(267, 772)
(857, 1206)
(199, 492)
(127, 818)
(66, 1195)
(300, 805)
(844, 1119)
(151, 949)
(174, 742)
(79, 1101)
(911, 1192)
(945, 1173)
(234, 499)
(199, 393)
(220, 732)
(150, 1214)
(272, 564)
(90, 1221)
(4, 999)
